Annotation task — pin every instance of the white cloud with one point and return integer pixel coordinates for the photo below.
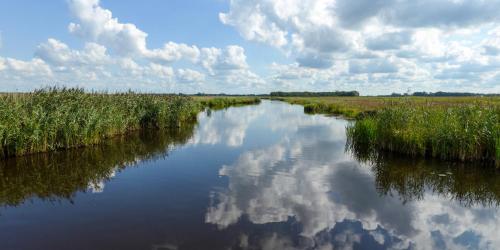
(372, 66)
(35, 67)
(190, 76)
(373, 46)
(116, 56)
(230, 58)
(172, 52)
(57, 53)
(428, 35)
(98, 25)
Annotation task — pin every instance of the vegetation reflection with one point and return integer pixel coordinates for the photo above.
(410, 179)
(59, 175)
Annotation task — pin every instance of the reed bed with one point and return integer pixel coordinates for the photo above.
(357, 107)
(216, 103)
(450, 128)
(466, 132)
(60, 118)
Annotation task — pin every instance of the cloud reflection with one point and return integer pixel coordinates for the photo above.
(308, 178)
(226, 127)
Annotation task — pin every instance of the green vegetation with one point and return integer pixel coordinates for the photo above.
(441, 93)
(449, 128)
(355, 107)
(225, 102)
(316, 94)
(465, 133)
(52, 119)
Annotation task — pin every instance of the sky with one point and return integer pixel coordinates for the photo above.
(251, 46)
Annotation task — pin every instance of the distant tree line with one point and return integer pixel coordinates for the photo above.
(307, 94)
(443, 94)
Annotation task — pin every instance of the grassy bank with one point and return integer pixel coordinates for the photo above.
(466, 132)
(225, 102)
(52, 119)
(449, 128)
(353, 107)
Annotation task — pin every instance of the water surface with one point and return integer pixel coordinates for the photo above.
(254, 177)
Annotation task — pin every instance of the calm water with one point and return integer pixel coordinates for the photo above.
(255, 177)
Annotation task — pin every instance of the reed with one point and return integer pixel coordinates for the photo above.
(216, 103)
(466, 132)
(61, 118)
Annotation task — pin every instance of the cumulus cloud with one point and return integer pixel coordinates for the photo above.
(388, 41)
(230, 58)
(57, 53)
(323, 34)
(373, 46)
(372, 66)
(190, 76)
(116, 56)
(172, 52)
(18, 74)
(98, 25)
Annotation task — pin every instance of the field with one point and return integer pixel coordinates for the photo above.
(53, 119)
(351, 107)
(449, 128)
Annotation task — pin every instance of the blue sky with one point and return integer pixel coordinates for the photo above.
(236, 46)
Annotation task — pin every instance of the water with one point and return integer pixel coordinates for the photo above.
(255, 177)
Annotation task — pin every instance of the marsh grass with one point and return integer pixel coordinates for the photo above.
(60, 118)
(217, 103)
(449, 128)
(357, 107)
(465, 132)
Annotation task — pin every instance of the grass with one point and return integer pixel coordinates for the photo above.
(449, 128)
(217, 103)
(59, 118)
(353, 107)
(465, 133)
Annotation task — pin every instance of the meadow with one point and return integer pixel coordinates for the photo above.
(449, 128)
(59, 118)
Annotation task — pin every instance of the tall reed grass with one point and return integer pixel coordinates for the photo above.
(225, 102)
(468, 132)
(59, 118)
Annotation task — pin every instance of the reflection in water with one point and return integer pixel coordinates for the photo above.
(258, 177)
(59, 175)
(308, 180)
(411, 179)
(227, 126)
